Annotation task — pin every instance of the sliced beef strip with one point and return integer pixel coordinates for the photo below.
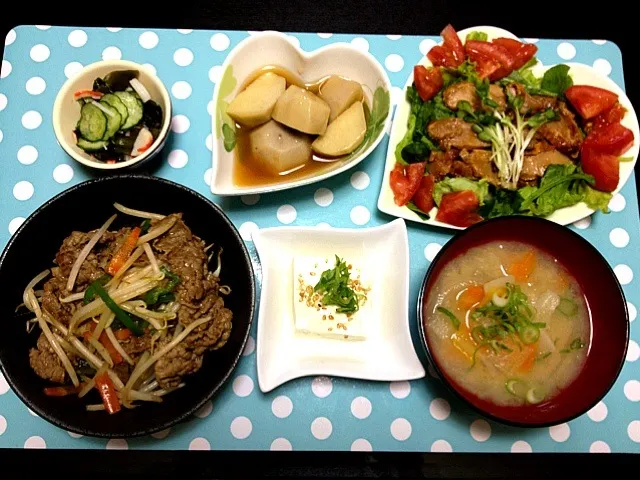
(534, 166)
(461, 169)
(455, 133)
(184, 253)
(54, 289)
(177, 363)
(45, 362)
(198, 296)
(481, 165)
(466, 91)
(71, 248)
(440, 163)
(136, 345)
(538, 145)
(564, 133)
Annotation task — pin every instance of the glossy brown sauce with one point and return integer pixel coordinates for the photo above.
(249, 172)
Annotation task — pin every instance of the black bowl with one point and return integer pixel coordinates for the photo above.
(603, 293)
(85, 207)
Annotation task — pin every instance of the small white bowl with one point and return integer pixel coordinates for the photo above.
(66, 111)
(274, 48)
(386, 354)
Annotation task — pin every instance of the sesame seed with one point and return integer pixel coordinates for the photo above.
(346, 336)
(330, 317)
(324, 317)
(330, 329)
(313, 274)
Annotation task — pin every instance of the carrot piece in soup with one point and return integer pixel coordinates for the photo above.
(523, 267)
(528, 357)
(470, 297)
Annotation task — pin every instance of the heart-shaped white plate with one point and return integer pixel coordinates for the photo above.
(581, 74)
(275, 48)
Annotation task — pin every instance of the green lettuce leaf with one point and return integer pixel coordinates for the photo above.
(556, 79)
(596, 199)
(459, 184)
(561, 186)
(475, 35)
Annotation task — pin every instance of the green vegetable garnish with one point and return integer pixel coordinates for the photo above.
(334, 285)
(481, 36)
(121, 315)
(452, 317)
(414, 208)
(567, 307)
(144, 228)
(90, 292)
(556, 79)
(160, 295)
(458, 184)
(577, 344)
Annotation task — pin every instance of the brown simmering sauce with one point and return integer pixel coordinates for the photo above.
(247, 171)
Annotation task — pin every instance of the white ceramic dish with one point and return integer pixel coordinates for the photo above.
(274, 48)
(387, 354)
(66, 111)
(581, 74)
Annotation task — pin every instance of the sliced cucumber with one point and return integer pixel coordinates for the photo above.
(93, 123)
(88, 146)
(134, 108)
(116, 103)
(114, 120)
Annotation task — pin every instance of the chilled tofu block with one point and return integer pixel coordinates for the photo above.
(278, 148)
(340, 94)
(253, 106)
(344, 134)
(302, 110)
(325, 321)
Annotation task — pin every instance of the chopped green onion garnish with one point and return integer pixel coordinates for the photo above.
(452, 317)
(567, 307)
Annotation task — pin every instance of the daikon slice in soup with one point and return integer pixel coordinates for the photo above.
(508, 323)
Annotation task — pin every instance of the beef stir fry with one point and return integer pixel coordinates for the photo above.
(129, 313)
(486, 137)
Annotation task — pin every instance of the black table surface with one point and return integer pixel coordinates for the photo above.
(612, 21)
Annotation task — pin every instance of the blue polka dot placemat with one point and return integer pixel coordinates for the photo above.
(309, 413)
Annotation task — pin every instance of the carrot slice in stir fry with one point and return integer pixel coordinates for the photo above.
(107, 390)
(123, 253)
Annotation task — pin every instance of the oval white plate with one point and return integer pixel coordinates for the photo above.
(274, 48)
(581, 74)
(387, 354)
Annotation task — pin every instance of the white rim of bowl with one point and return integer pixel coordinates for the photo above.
(65, 90)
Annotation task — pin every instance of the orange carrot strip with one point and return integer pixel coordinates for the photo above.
(123, 253)
(523, 267)
(470, 297)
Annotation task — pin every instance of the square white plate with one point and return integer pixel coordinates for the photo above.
(387, 353)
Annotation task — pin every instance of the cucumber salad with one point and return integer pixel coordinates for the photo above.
(118, 120)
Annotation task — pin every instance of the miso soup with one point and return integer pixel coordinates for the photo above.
(508, 323)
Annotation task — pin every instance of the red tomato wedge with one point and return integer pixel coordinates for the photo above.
(423, 198)
(488, 69)
(522, 52)
(477, 49)
(604, 167)
(459, 209)
(453, 43)
(405, 181)
(428, 81)
(614, 115)
(590, 101)
(614, 139)
(440, 57)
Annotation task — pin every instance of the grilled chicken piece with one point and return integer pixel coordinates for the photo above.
(455, 133)
(532, 103)
(440, 163)
(564, 133)
(466, 91)
(481, 165)
(534, 166)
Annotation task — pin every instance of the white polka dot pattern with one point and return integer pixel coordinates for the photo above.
(35, 64)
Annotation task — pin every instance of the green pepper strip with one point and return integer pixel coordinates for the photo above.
(90, 292)
(121, 315)
(162, 294)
